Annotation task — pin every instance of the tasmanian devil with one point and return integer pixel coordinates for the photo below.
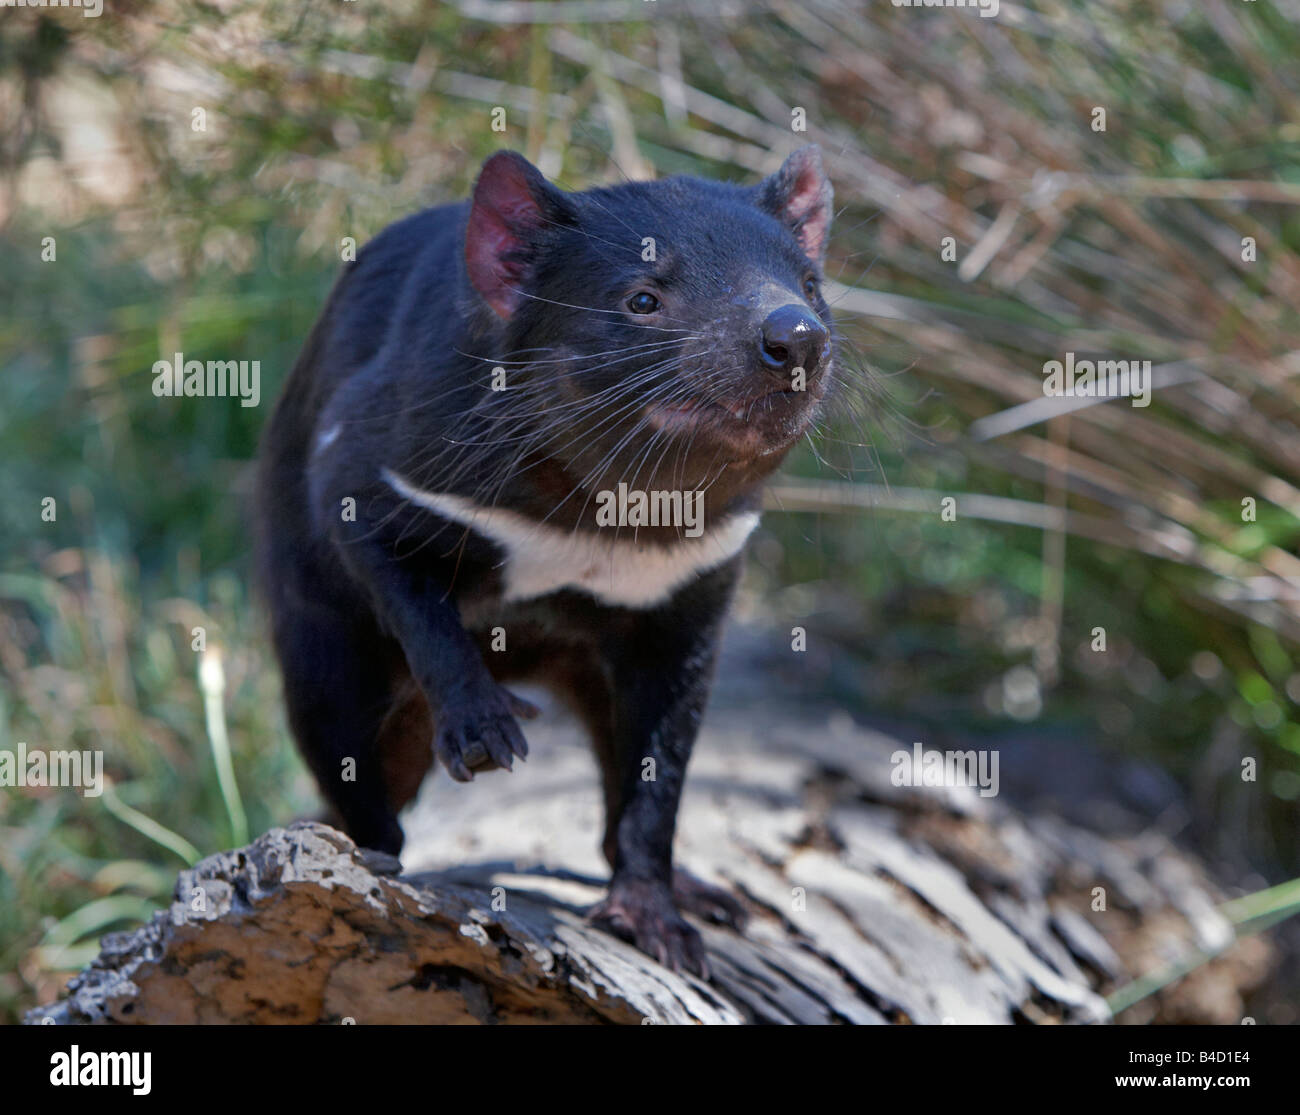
(435, 490)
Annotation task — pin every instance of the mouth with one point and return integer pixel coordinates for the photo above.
(748, 428)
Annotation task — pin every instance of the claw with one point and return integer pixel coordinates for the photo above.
(520, 707)
(714, 904)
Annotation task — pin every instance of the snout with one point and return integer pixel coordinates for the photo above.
(761, 408)
(792, 337)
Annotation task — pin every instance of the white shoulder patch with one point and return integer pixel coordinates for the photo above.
(542, 559)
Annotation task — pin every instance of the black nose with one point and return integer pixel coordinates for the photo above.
(793, 337)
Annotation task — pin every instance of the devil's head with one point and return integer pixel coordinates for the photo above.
(660, 333)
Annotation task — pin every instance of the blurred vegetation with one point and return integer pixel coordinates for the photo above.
(330, 120)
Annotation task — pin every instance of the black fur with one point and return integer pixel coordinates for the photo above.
(382, 621)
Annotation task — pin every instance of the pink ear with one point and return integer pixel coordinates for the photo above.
(800, 195)
(512, 204)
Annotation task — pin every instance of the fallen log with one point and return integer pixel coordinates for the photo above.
(870, 902)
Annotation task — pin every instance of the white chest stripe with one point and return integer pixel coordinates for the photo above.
(541, 558)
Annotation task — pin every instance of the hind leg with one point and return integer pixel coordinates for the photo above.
(338, 689)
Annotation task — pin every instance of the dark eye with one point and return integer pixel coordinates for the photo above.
(810, 288)
(643, 303)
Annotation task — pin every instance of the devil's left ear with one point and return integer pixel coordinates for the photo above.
(799, 195)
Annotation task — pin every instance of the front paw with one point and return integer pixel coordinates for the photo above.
(477, 733)
(643, 912)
